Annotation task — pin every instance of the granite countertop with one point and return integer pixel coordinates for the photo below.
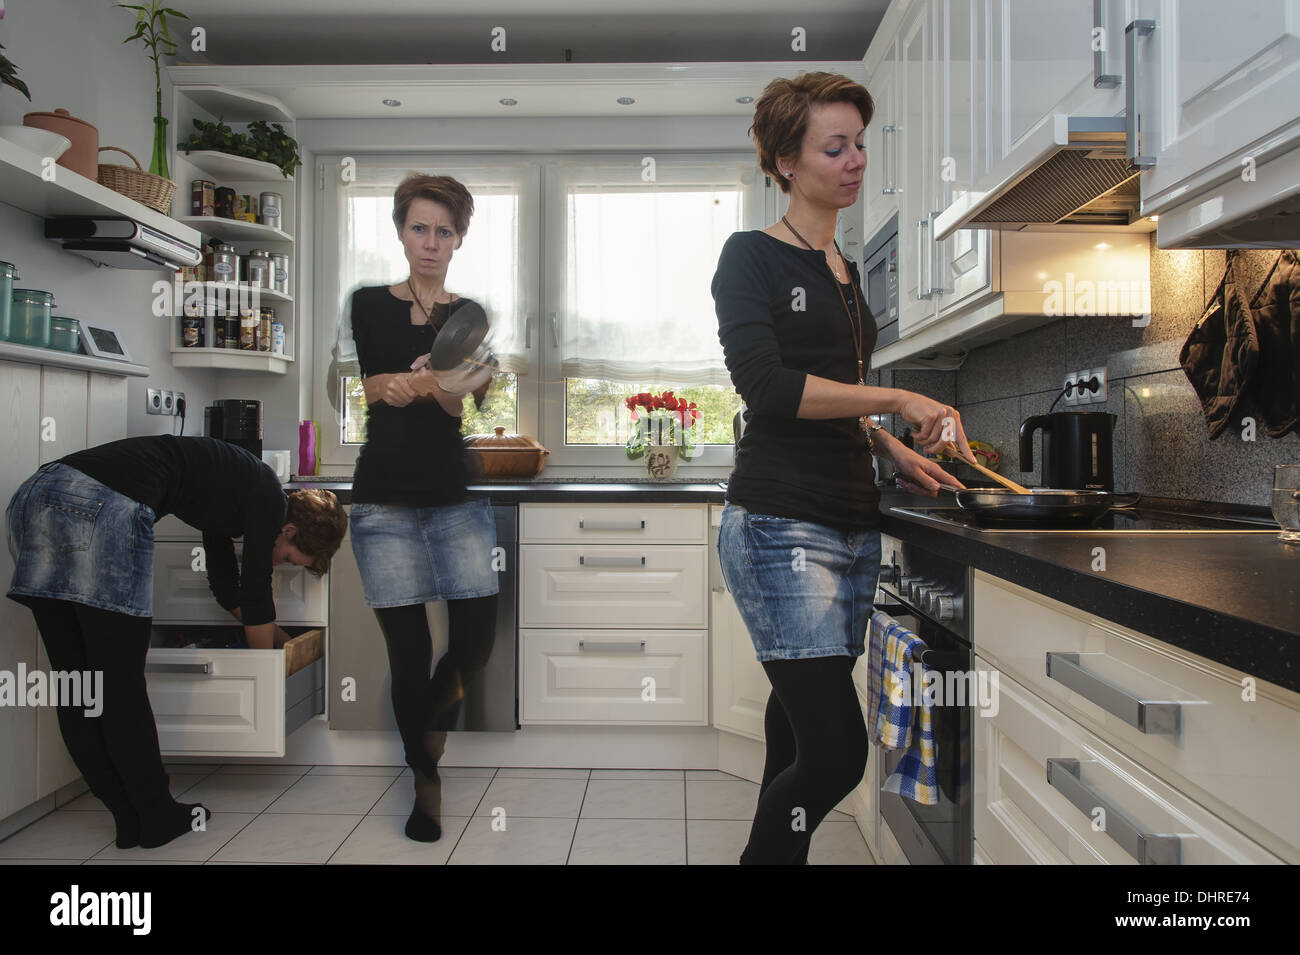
(1230, 597)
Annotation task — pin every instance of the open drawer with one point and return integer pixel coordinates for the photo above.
(235, 702)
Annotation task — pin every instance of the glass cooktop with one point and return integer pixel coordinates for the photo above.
(1122, 520)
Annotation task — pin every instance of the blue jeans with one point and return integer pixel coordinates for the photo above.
(74, 539)
(803, 589)
(410, 555)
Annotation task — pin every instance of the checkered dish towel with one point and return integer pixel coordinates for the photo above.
(893, 710)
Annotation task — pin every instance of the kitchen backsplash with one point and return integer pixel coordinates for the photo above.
(1161, 446)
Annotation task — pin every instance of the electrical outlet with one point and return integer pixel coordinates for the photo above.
(1085, 396)
(1071, 393)
(1099, 396)
(153, 400)
(180, 400)
(168, 402)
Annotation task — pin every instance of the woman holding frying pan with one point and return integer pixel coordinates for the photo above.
(417, 534)
(797, 338)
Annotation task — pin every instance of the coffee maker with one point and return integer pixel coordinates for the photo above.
(1076, 449)
(237, 420)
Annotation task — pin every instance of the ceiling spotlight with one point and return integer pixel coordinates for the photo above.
(392, 102)
(507, 101)
(744, 99)
(625, 101)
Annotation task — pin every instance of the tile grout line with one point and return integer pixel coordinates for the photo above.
(577, 819)
(495, 771)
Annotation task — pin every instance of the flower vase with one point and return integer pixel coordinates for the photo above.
(158, 164)
(661, 460)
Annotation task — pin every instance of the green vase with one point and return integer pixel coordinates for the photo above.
(158, 165)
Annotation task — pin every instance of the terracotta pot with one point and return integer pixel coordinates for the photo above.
(82, 156)
(504, 455)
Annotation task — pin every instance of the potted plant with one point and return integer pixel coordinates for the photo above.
(663, 430)
(264, 141)
(7, 77)
(151, 27)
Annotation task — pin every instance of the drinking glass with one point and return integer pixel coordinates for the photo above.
(1286, 501)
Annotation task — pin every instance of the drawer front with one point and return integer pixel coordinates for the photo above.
(600, 676)
(217, 702)
(613, 523)
(1242, 759)
(652, 586)
(181, 594)
(1098, 807)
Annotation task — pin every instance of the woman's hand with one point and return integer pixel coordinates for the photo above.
(913, 472)
(398, 391)
(934, 425)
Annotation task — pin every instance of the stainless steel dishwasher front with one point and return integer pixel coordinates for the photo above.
(359, 687)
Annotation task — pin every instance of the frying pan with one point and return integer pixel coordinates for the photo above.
(460, 358)
(1042, 505)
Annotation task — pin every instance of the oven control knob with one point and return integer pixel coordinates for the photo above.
(947, 607)
(905, 582)
(888, 574)
(917, 587)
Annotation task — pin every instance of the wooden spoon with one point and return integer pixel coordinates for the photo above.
(1004, 481)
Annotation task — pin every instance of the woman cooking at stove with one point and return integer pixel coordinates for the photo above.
(417, 535)
(797, 339)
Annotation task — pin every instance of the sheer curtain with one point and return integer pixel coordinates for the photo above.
(638, 258)
(495, 266)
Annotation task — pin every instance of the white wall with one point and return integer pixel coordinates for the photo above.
(70, 54)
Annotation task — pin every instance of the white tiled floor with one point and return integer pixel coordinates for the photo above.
(355, 815)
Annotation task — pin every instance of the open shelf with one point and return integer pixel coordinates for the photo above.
(235, 106)
(224, 168)
(231, 359)
(235, 230)
(12, 351)
(243, 293)
(22, 186)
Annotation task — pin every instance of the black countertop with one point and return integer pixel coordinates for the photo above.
(1230, 597)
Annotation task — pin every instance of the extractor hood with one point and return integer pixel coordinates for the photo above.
(121, 243)
(1070, 172)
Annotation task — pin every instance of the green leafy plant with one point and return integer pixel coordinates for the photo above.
(7, 77)
(265, 141)
(151, 27)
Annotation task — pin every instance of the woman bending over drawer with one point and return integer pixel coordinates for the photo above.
(417, 534)
(81, 535)
(797, 338)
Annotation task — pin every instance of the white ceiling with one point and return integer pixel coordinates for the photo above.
(537, 31)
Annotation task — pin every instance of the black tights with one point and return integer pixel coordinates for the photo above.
(420, 702)
(116, 751)
(817, 749)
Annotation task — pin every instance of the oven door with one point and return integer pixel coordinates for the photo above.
(941, 834)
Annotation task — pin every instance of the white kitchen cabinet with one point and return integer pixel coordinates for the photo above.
(630, 677)
(1238, 756)
(915, 98)
(1217, 87)
(622, 523)
(182, 596)
(105, 409)
(1048, 791)
(740, 684)
(880, 180)
(63, 412)
(20, 392)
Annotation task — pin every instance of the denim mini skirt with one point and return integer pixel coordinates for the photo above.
(410, 555)
(74, 539)
(802, 589)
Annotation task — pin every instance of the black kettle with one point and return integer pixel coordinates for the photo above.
(1076, 449)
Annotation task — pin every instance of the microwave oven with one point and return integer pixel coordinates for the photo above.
(880, 276)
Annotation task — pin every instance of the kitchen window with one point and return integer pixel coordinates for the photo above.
(596, 271)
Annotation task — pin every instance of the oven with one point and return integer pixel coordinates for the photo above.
(880, 276)
(927, 594)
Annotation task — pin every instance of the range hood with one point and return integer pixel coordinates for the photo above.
(121, 243)
(1261, 214)
(1071, 171)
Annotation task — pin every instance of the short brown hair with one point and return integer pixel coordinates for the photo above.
(321, 524)
(442, 189)
(781, 114)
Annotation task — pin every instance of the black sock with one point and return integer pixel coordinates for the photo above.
(425, 822)
(128, 828)
(160, 826)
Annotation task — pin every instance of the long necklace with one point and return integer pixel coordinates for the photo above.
(428, 312)
(855, 329)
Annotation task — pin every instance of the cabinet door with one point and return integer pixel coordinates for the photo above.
(181, 593)
(880, 181)
(1224, 78)
(915, 304)
(63, 412)
(740, 684)
(20, 396)
(105, 410)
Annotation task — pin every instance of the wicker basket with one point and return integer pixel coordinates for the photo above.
(144, 187)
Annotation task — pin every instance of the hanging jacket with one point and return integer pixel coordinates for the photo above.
(1244, 352)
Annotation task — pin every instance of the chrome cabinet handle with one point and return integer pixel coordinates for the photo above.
(611, 561)
(1133, 128)
(1100, 78)
(596, 646)
(935, 270)
(1149, 716)
(528, 329)
(921, 292)
(1148, 848)
(890, 170)
(587, 524)
(203, 667)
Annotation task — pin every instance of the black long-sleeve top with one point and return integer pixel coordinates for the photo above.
(215, 487)
(817, 470)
